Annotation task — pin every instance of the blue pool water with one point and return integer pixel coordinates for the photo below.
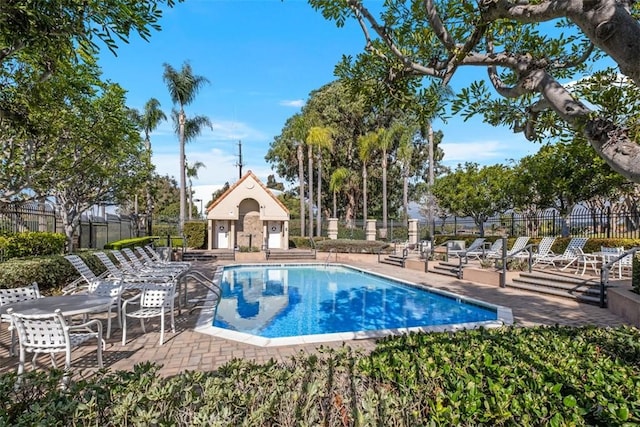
(274, 301)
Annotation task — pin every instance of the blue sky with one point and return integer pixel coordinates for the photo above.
(262, 58)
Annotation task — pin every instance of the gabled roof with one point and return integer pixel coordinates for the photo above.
(246, 176)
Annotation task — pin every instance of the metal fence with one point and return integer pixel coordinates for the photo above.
(583, 222)
(93, 232)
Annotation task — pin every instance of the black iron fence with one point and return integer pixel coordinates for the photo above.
(94, 231)
(582, 222)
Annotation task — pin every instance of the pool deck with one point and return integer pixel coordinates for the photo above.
(188, 350)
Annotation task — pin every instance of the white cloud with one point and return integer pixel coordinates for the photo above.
(487, 152)
(293, 103)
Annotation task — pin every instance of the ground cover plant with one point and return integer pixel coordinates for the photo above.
(512, 376)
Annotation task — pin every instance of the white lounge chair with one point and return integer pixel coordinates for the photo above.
(570, 255)
(462, 253)
(518, 246)
(494, 251)
(544, 249)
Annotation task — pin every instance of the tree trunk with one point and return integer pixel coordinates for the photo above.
(384, 193)
(183, 178)
(301, 191)
(319, 195)
(364, 193)
(310, 167)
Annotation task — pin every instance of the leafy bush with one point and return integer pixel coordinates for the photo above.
(196, 234)
(352, 246)
(32, 243)
(510, 376)
(129, 243)
(51, 272)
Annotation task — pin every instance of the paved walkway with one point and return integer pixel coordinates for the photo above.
(190, 350)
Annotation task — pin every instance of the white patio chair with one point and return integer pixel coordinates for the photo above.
(570, 255)
(150, 262)
(173, 270)
(518, 246)
(624, 263)
(13, 295)
(154, 300)
(113, 289)
(50, 334)
(544, 249)
(462, 253)
(85, 272)
(495, 250)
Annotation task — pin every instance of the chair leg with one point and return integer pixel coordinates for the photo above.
(162, 327)
(124, 330)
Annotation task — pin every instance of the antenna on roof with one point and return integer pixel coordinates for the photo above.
(239, 164)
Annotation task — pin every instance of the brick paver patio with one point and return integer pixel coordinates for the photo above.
(190, 350)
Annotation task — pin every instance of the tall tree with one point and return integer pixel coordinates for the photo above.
(192, 172)
(474, 191)
(366, 144)
(322, 139)
(183, 87)
(526, 59)
(151, 117)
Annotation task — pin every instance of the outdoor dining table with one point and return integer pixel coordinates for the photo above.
(69, 305)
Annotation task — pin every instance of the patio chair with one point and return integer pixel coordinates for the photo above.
(13, 295)
(154, 300)
(163, 260)
(544, 248)
(50, 334)
(174, 270)
(112, 289)
(495, 250)
(624, 263)
(85, 272)
(518, 246)
(570, 255)
(462, 253)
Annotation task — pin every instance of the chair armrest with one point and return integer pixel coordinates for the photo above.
(86, 326)
(132, 300)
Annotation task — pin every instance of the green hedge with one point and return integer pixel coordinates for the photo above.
(557, 376)
(353, 246)
(196, 234)
(31, 243)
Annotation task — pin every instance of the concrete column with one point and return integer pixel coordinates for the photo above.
(370, 230)
(285, 233)
(232, 234)
(332, 231)
(210, 233)
(413, 231)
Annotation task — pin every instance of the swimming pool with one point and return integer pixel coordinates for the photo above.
(278, 304)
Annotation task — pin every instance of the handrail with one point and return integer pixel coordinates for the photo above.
(606, 269)
(213, 285)
(313, 245)
(332, 250)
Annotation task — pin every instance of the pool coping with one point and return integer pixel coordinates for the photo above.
(204, 323)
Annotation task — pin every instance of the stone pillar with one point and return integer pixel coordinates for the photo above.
(332, 231)
(210, 233)
(232, 235)
(285, 234)
(370, 230)
(413, 231)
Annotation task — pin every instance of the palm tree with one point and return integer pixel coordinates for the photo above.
(299, 128)
(405, 152)
(192, 172)
(366, 144)
(322, 138)
(338, 181)
(150, 119)
(183, 87)
(191, 130)
(384, 144)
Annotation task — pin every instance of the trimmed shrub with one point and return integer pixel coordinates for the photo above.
(508, 376)
(196, 234)
(353, 246)
(32, 243)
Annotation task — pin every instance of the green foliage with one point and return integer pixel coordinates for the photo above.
(635, 273)
(130, 243)
(50, 272)
(196, 234)
(353, 246)
(509, 376)
(304, 242)
(32, 243)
